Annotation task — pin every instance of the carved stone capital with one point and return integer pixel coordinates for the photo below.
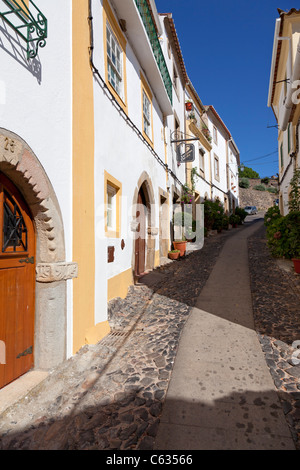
(52, 272)
(134, 226)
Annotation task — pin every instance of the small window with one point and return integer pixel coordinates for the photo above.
(281, 155)
(175, 78)
(114, 61)
(147, 124)
(112, 193)
(111, 207)
(147, 115)
(201, 160)
(217, 169)
(215, 135)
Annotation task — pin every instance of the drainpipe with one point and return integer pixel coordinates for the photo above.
(288, 105)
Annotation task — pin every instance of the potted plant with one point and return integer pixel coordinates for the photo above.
(189, 105)
(293, 225)
(183, 222)
(174, 254)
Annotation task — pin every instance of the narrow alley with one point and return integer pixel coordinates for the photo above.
(201, 362)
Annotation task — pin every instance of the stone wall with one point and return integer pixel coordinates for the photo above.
(261, 199)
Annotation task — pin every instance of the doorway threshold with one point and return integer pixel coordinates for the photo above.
(15, 391)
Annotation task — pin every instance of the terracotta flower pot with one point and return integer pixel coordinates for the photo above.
(174, 255)
(296, 262)
(181, 246)
(189, 106)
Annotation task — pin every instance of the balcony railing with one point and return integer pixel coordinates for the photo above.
(144, 11)
(28, 22)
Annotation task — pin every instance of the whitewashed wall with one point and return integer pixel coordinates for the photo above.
(120, 152)
(36, 99)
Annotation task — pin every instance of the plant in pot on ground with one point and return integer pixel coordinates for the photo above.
(283, 235)
(174, 254)
(183, 226)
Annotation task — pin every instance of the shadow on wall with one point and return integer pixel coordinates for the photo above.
(16, 48)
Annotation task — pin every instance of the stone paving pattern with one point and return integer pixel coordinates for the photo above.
(110, 395)
(276, 308)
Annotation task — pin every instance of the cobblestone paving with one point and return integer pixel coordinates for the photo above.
(276, 306)
(110, 396)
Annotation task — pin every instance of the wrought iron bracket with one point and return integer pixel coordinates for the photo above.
(28, 22)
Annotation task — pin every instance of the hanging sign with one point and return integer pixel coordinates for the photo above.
(185, 153)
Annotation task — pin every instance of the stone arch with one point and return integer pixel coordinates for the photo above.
(19, 163)
(145, 183)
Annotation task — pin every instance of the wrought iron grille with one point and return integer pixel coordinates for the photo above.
(14, 228)
(28, 22)
(144, 11)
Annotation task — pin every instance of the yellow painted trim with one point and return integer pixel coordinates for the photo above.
(117, 286)
(94, 334)
(83, 177)
(145, 88)
(109, 17)
(109, 179)
(19, 3)
(157, 259)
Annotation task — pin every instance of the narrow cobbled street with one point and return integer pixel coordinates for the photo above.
(117, 394)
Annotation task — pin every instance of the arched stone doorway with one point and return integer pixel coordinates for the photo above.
(143, 226)
(20, 165)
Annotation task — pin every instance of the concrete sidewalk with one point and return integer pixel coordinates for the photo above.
(221, 394)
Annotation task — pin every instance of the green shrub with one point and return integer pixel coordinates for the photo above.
(272, 190)
(265, 180)
(241, 213)
(294, 202)
(283, 233)
(225, 222)
(234, 219)
(213, 214)
(259, 187)
(271, 214)
(244, 183)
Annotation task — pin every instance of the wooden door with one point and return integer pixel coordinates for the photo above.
(140, 240)
(17, 284)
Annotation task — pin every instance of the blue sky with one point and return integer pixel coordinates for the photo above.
(227, 50)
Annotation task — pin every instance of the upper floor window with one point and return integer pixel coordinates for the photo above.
(175, 79)
(147, 110)
(217, 168)
(146, 114)
(201, 160)
(114, 56)
(114, 61)
(215, 135)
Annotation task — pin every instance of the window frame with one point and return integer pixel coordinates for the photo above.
(215, 135)
(216, 167)
(110, 22)
(146, 92)
(111, 182)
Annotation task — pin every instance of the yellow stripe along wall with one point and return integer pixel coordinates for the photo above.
(83, 177)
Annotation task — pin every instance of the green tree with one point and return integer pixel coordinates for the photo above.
(248, 173)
